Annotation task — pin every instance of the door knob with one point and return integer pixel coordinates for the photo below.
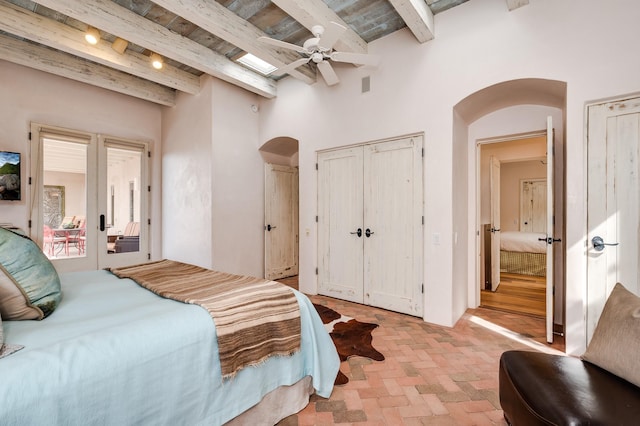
(368, 232)
(269, 227)
(598, 243)
(359, 232)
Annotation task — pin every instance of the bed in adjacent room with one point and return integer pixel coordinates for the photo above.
(523, 253)
(114, 353)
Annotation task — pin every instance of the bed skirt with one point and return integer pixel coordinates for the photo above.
(515, 262)
(277, 404)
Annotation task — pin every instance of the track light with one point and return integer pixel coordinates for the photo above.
(156, 61)
(92, 35)
(120, 45)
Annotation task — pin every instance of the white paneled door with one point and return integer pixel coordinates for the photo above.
(494, 177)
(280, 221)
(370, 224)
(613, 202)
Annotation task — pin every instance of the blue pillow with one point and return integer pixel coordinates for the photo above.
(30, 270)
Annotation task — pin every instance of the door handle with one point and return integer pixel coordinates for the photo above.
(494, 230)
(269, 227)
(359, 232)
(598, 243)
(101, 222)
(368, 232)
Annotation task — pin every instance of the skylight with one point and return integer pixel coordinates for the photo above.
(256, 64)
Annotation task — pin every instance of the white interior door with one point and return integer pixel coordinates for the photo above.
(494, 177)
(533, 206)
(550, 231)
(393, 225)
(340, 227)
(280, 221)
(613, 202)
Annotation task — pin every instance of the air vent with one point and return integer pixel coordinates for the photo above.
(366, 84)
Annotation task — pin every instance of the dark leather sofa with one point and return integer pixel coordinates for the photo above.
(543, 389)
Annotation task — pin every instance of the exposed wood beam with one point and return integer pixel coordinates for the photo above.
(21, 22)
(514, 4)
(112, 18)
(65, 65)
(223, 23)
(314, 12)
(418, 17)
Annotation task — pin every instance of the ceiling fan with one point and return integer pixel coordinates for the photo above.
(319, 49)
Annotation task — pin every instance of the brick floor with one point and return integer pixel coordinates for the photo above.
(432, 375)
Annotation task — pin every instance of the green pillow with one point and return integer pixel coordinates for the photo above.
(30, 271)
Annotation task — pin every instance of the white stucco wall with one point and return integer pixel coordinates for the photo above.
(591, 45)
(187, 178)
(28, 95)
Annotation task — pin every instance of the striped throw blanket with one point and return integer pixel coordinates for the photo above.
(254, 318)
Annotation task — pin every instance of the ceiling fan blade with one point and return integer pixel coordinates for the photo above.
(282, 44)
(329, 75)
(356, 58)
(331, 35)
(290, 67)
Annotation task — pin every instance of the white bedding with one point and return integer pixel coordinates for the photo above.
(114, 353)
(527, 242)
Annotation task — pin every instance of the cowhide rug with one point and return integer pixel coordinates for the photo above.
(350, 336)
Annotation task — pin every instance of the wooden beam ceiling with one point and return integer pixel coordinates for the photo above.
(37, 28)
(119, 21)
(418, 17)
(221, 22)
(316, 12)
(65, 65)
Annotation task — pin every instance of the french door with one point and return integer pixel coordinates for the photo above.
(370, 224)
(88, 192)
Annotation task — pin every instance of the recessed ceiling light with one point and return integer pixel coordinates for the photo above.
(92, 35)
(156, 61)
(256, 64)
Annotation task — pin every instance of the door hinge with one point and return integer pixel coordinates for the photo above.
(148, 221)
(29, 225)
(316, 271)
(316, 219)
(316, 166)
(423, 219)
(29, 135)
(29, 180)
(422, 288)
(149, 154)
(148, 256)
(149, 188)
(422, 152)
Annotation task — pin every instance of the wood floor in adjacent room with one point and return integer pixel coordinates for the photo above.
(524, 294)
(432, 375)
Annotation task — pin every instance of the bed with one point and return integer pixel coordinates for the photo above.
(523, 253)
(114, 353)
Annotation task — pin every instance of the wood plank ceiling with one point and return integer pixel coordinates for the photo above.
(194, 37)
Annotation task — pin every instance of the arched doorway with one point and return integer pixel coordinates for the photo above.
(281, 230)
(497, 113)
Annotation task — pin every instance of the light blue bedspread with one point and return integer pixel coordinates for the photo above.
(114, 353)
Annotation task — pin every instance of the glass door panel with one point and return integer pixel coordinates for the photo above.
(64, 208)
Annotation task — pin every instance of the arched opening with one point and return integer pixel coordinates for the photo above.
(499, 118)
(281, 195)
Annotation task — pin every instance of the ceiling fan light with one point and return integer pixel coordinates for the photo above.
(92, 36)
(156, 61)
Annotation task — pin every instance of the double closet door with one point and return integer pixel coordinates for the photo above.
(370, 224)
